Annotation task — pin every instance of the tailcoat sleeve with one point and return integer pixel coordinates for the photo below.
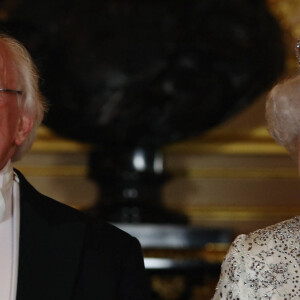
(134, 283)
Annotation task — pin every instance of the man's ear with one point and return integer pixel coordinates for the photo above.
(24, 127)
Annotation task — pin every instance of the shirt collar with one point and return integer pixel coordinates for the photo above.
(6, 176)
(6, 182)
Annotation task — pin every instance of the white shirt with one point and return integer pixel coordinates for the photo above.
(9, 232)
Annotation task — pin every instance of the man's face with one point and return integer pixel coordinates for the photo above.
(14, 125)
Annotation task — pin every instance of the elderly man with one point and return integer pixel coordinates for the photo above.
(49, 251)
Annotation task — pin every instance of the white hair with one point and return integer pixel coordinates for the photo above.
(283, 114)
(32, 102)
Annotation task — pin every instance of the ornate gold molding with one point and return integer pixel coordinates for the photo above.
(239, 173)
(54, 170)
(198, 173)
(237, 213)
(48, 141)
(288, 14)
(218, 141)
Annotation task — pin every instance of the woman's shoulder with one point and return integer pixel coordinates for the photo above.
(263, 264)
(282, 236)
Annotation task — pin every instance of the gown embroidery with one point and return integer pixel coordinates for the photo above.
(263, 265)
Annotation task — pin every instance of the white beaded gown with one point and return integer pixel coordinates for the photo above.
(263, 265)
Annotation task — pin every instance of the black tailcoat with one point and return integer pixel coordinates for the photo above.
(65, 255)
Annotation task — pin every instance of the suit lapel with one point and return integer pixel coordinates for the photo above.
(49, 251)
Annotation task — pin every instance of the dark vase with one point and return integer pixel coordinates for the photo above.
(131, 181)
